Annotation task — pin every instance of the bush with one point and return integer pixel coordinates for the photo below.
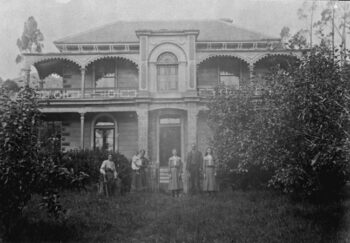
(238, 131)
(22, 171)
(297, 129)
(89, 162)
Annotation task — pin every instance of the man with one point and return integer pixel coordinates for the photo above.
(109, 176)
(193, 166)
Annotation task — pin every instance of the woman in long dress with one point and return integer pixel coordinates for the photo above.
(209, 172)
(175, 171)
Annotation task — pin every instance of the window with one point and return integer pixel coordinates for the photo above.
(104, 134)
(167, 72)
(229, 78)
(105, 75)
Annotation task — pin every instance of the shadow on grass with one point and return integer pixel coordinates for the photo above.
(251, 216)
(28, 230)
(329, 218)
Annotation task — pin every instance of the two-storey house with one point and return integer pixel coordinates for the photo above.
(145, 84)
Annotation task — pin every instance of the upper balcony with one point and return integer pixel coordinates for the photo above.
(117, 78)
(102, 78)
(233, 73)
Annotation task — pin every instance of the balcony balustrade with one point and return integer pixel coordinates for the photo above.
(210, 92)
(89, 93)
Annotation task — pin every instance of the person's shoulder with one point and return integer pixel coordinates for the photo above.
(104, 162)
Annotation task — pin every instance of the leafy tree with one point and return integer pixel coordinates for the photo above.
(296, 130)
(22, 171)
(10, 85)
(31, 39)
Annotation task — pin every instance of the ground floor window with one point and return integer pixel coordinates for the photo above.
(104, 134)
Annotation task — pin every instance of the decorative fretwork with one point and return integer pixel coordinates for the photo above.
(58, 94)
(258, 45)
(73, 48)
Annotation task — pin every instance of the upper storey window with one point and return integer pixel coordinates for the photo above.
(105, 75)
(228, 77)
(167, 72)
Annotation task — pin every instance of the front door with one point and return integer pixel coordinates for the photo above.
(169, 138)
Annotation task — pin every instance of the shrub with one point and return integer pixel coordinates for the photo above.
(22, 171)
(89, 162)
(297, 129)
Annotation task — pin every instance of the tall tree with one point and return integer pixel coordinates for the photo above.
(307, 13)
(334, 25)
(31, 39)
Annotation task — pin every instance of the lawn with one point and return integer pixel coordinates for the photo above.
(254, 216)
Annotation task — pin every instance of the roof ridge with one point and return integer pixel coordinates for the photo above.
(119, 21)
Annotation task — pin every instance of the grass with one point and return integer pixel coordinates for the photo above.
(255, 216)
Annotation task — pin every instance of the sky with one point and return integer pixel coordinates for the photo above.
(59, 18)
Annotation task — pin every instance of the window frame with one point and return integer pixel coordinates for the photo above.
(228, 75)
(95, 72)
(104, 127)
(164, 64)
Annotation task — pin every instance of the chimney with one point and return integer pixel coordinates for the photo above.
(227, 20)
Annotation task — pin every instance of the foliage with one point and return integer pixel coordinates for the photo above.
(10, 85)
(22, 171)
(31, 39)
(297, 41)
(297, 129)
(89, 162)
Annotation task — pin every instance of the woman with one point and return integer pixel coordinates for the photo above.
(209, 172)
(143, 170)
(109, 176)
(175, 170)
(136, 164)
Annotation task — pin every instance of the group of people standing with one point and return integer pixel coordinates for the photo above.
(197, 168)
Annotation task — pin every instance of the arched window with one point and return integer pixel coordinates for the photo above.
(167, 72)
(104, 134)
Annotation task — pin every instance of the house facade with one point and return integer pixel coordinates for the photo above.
(144, 85)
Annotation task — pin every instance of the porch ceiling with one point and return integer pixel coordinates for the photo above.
(48, 67)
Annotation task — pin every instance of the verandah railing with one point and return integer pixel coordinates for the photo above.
(89, 93)
(210, 92)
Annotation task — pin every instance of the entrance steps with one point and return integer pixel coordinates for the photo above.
(164, 175)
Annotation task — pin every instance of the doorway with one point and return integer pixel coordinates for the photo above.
(169, 138)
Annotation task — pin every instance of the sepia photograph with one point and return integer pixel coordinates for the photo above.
(202, 121)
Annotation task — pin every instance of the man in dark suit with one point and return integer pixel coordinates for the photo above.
(193, 166)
